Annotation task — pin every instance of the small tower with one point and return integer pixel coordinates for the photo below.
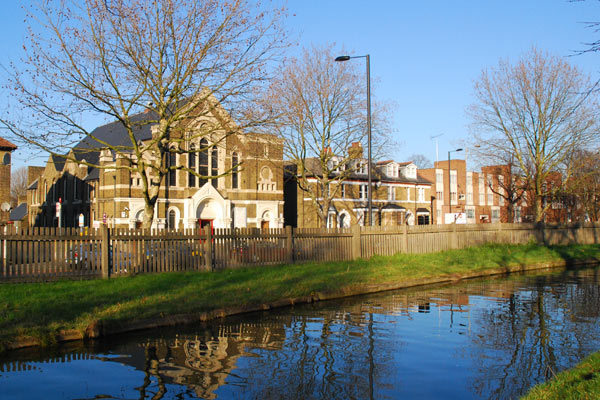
(6, 149)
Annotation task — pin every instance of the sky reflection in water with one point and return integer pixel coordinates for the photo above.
(482, 339)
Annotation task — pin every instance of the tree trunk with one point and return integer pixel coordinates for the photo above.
(539, 214)
(148, 215)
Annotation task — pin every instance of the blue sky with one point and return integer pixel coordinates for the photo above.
(425, 55)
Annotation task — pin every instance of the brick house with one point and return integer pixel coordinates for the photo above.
(400, 195)
(6, 149)
(250, 196)
(482, 197)
(468, 197)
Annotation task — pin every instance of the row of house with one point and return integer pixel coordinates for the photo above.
(261, 190)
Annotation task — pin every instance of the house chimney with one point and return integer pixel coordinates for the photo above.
(355, 151)
(148, 107)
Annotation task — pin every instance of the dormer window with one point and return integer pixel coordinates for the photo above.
(361, 168)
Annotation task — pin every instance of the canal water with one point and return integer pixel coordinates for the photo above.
(482, 339)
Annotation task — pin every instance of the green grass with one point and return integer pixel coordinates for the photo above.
(580, 382)
(41, 310)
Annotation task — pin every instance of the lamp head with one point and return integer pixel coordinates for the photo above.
(342, 58)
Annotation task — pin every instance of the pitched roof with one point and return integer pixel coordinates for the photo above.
(6, 145)
(313, 168)
(58, 161)
(34, 184)
(19, 212)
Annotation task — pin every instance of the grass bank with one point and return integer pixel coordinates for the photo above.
(580, 382)
(41, 311)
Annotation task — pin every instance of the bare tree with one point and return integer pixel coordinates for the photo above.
(584, 184)
(536, 112)
(190, 66)
(320, 111)
(18, 185)
(421, 161)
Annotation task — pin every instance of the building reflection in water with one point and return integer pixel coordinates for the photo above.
(512, 333)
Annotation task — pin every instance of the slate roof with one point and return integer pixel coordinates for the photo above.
(93, 175)
(313, 166)
(59, 162)
(34, 184)
(19, 212)
(113, 134)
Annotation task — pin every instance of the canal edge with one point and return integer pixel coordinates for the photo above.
(99, 329)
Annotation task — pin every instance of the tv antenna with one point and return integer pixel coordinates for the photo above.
(437, 158)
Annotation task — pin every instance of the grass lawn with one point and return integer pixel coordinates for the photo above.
(42, 309)
(581, 382)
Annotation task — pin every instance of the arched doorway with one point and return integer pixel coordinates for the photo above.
(139, 218)
(265, 220)
(344, 220)
(207, 212)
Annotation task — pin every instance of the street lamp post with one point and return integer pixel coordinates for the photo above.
(369, 194)
(450, 181)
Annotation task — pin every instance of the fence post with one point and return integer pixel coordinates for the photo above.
(105, 250)
(404, 238)
(454, 237)
(209, 247)
(356, 247)
(289, 244)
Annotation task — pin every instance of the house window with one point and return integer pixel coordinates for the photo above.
(490, 198)
(343, 191)
(361, 168)
(235, 171)
(495, 216)
(360, 218)
(172, 220)
(501, 190)
(391, 193)
(192, 166)
(470, 213)
(469, 180)
(440, 196)
(439, 177)
(214, 165)
(203, 162)
(421, 194)
(481, 190)
(470, 197)
(453, 197)
(452, 178)
(363, 192)
(407, 194)
(75, 189)
(172, 172)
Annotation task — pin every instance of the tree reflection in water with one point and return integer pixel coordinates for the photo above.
(484, 339)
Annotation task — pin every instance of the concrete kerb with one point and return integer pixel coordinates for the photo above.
(98, 329)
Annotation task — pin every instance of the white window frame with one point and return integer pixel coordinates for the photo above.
(391, 193)
(363, 191)
(421, 194)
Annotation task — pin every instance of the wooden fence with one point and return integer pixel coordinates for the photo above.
(43, 254)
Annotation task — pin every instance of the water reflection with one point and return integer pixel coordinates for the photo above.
(483, 339)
